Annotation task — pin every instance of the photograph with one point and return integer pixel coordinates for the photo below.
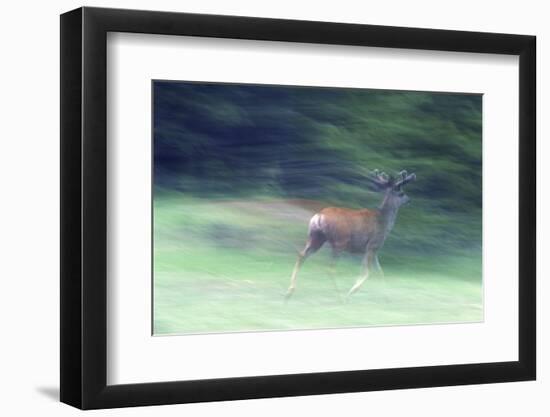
(279, 207)
(259, 205)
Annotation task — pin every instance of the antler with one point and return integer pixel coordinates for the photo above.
(379, 179)
(405, 178)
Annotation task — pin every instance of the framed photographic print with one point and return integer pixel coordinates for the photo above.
(259, 207)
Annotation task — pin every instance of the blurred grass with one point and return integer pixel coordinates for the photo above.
(223, 265)
(240, 168)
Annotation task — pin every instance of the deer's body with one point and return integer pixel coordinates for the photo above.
(345, 229)
(356, 231)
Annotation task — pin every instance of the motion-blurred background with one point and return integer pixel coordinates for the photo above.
(239, 170)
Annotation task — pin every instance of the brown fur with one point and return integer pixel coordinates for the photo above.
(347, 229)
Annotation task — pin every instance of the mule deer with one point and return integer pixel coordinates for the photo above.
(356, 231)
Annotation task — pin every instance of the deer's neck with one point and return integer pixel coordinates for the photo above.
(387, 214)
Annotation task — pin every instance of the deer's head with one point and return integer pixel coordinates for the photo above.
(391, 186)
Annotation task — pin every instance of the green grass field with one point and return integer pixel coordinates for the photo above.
(224, 266)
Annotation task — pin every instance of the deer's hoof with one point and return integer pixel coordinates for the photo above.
(289, 294)
(347, 298)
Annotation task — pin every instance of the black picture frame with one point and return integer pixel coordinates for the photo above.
(84, 207)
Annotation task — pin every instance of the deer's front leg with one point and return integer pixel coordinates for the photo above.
(378, 267)
(367, 262)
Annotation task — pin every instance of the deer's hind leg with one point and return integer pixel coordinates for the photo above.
(313, 244)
